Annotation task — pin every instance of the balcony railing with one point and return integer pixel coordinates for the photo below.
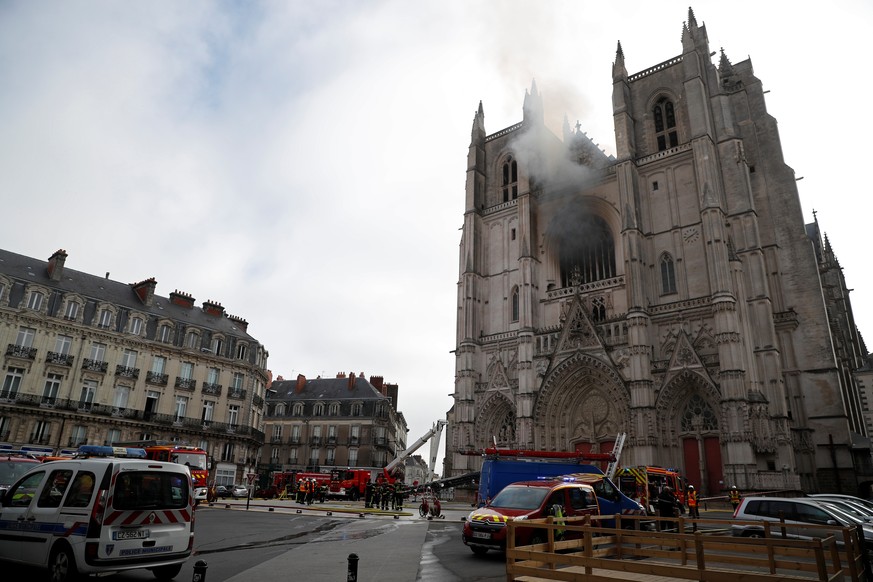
(213, 389)
(60, 359)
(379, 440)
(126, 372)
(21, 352)
(276, 440)
(257, 401)
(188, 384)
(237, 394)
(294, 439)
(94, 365)
(156, 378)
(315, 440)
(40, 440)
(354, 440)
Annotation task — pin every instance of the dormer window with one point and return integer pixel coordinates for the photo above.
(510, 179)
(34, 301)
(665, 124)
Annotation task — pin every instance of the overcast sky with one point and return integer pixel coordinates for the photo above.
(303, 163)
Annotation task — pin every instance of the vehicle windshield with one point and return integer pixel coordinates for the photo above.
(842, 516)
(193, 460)
(520, 497)
(10, 471)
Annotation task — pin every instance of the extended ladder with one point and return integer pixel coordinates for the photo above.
(616, 453)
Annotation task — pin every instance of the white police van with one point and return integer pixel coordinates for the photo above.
(97, 513)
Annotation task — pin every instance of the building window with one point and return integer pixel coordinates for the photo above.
(232, 414)
(277, 431)
(159, 364)
(318, 409)
(512, 234)
(355, 434)
(122, 394)
(514, 304)
(208, 411)
(78, 436)
(151, 404)
(165, 334)
(241, 351)
(41, 434)
(292, 456)
(71, 311)
(98, 352)
(298, 409)
(63, 344)
(295, 433)
(4, 428)
(105, 318)
(11, 383)
(274, 455)
(86, 396)
(590, 256)
(238, 380)
(331, 457)
(510, 179)
(34, 300)
(186, 371)
(357, 409)
(217, 346)
(668, 275)
(665, 124)
(181, 407)
(353, 457)
(136, 325)
(52, 387)
(212, 375)
(280, 409)
(25, 337)
(227, 452)
(334, 409)
(128, 358)
(113, 436)
(314, 455)
(193, 340)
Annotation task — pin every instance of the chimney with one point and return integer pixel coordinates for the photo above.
(181, 299)
(56, 265)
(213, 308)
(301, 384)
(352, 380)
(391, 391)
(242, 323)
(145, 290)
(340, 374)
(279, 378)
(377, 381)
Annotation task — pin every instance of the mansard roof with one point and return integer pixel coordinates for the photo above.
(30, 271)
(326, 389)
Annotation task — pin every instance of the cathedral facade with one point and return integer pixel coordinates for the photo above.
(672, 292)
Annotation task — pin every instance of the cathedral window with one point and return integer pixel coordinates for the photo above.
(598, 309)
(665, 124)
(668, 275)
(588, 254)
(510, 179)
(514, 304)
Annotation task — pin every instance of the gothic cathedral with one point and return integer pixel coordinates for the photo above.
(672, 292)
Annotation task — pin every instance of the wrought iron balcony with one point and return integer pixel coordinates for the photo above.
(21, 352)
(237, 394)
(213, 389)
(94, 365)
(316, 440)
(40, 440)
(48, 401)
(126, 372)
(188, 384)
(156, 378)
(276, 440)
(257, 401)
(294, 440)
(60, 359)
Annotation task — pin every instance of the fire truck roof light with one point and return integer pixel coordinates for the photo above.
(106, 451)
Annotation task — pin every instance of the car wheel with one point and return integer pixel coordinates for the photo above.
(753, 534)
(167, 572)
(479, 550)
(62, 565)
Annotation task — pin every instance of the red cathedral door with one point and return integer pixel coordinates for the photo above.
(715, 476)
(604, 447)
(692, 462)
(711, 462)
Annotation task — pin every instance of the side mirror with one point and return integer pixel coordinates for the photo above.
(832, 522)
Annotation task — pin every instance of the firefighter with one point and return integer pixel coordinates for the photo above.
(301, 491)
(667, 504)
(734, 497)
(368, 494)
(693, 510)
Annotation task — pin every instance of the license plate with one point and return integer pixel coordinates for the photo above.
(130, 534)
(482, 535)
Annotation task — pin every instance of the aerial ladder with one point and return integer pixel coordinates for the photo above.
(435, 431)
(612, 467)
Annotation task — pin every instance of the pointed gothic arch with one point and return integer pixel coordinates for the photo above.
(496, 420)
(583, 400)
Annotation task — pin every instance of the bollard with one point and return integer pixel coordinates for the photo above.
(199, 571)
(353, 568)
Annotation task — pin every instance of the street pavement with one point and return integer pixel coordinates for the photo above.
(389, 545)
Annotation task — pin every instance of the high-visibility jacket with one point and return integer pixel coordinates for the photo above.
(734, 496)
(692, 498)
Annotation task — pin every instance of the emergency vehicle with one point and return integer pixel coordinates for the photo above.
(485, 528)
(195, 458)
(13, 464)
(644, 484)
(105, 511)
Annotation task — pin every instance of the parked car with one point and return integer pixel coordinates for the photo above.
(865, 503)
(223, 491)
(14, 464)
(855, 509)
(794, 513)
(239, 491)
(98, 515)
(485, 527)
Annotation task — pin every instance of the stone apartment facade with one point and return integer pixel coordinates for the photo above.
(92, 360)
(672, 292)
(325, 423)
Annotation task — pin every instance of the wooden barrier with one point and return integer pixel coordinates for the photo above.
(693, 550)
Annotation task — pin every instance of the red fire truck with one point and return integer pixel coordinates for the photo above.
(194, 457)
(644, 483)
(346, 483)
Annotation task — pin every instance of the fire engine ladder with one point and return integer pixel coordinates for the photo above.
(616, 453)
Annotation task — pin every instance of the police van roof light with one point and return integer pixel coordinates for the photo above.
(106, 451)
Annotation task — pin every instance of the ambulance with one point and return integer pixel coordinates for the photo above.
(106, 510)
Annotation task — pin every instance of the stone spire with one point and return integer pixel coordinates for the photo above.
(477, 135)
(533, 106)
(619, 71)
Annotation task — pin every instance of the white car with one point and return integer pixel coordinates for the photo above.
(98, 515)
(239, 491)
